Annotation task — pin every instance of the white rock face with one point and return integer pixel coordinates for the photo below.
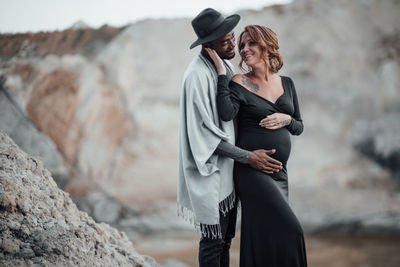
(19, 127)
(39, 224)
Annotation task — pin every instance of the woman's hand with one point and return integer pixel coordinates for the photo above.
(219, 64)
(276, 121)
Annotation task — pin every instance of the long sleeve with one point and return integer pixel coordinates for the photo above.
(296, 125)
(227, 102)
(226, 149)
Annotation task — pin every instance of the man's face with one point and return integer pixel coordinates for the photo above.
(225, 46)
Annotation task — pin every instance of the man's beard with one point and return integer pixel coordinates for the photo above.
(228, 56)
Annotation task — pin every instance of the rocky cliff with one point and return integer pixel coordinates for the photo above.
(111, 113)
(40, 225)
(77, 39)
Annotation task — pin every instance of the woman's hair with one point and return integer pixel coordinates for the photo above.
(266, 39)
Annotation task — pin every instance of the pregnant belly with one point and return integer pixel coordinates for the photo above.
(250, 139)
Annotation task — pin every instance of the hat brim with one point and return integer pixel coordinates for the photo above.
(225, 27)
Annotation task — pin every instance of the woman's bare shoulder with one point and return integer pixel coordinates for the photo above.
(238, 78)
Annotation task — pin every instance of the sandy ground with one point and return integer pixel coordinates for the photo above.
(323, 250)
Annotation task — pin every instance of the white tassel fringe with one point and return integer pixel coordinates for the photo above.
(212, 231)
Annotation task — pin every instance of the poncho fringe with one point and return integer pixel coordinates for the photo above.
(210, 231)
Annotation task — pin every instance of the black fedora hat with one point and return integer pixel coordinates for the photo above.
(210, 25)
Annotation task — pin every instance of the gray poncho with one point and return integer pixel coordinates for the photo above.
(205, 182)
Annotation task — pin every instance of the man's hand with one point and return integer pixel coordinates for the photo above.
(219, 64)
(260, 159)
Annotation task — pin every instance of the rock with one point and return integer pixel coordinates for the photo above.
(26, 252)
(104, 208)
(10, 245)
(79, 25)
(84, 40)
(107, 211)
(379, 140)
(159, 220)
(13, 122)
(173, 263)
(52, 232)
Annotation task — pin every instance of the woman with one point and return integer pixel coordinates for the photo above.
(267, 112)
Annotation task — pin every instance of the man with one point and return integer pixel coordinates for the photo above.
(206, 195)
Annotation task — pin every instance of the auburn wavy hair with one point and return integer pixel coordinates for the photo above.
(267, 40)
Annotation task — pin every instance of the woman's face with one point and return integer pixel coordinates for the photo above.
(249, 50)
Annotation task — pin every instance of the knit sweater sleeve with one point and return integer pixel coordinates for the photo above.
(226, 149)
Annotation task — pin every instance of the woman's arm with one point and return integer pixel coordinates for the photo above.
(227, 100)
(296, 126)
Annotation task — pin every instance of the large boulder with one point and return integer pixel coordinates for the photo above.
(39, 224)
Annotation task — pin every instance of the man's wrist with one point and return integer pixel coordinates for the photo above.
(247, 157)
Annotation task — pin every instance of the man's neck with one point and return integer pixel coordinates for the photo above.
(206, 55)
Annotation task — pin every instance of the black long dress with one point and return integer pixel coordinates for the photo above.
(271, 235)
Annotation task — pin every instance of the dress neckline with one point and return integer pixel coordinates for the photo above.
(276, 101)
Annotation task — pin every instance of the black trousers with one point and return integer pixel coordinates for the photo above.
(215, 252)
